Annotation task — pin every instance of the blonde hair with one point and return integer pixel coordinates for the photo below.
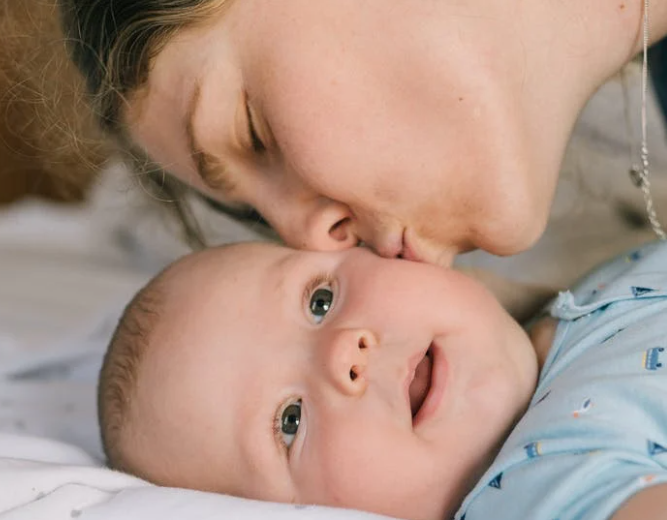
(114, 43)
(50, 144)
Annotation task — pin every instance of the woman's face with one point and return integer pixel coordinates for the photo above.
(392, 123)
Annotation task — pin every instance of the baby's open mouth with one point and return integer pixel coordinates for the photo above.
(421, 382)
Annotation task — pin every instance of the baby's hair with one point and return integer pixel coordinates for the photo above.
(117, 384)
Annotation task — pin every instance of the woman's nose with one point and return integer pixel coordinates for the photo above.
(345, 360)
(318, 225)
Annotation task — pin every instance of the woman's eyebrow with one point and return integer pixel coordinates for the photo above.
(211, 170)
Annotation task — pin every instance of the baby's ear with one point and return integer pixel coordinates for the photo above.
(520, 299)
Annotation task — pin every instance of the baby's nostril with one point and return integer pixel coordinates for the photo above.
(353, 374)
(362, 343)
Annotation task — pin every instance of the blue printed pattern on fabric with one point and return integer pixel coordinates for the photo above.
(596, 430)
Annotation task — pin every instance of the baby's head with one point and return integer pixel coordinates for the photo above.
(340, 379)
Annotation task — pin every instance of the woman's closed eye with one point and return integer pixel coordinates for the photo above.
(287, 421)
(256, 142)
(244, 214)
(319, 298)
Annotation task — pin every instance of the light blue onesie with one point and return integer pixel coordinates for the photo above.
(596, 429)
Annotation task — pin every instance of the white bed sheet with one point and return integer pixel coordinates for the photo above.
(66, 273)
(46, 479)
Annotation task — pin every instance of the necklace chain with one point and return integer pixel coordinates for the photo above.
(640, 173)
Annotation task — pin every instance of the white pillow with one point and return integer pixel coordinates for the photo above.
(42, 479)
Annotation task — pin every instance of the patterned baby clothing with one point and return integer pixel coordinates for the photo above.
(595, 432)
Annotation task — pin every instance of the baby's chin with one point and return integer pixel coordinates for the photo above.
(445, 506)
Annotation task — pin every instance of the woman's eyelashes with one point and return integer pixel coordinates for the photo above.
(319, 298)
(256, 142)
(287, 421)
(246, 214)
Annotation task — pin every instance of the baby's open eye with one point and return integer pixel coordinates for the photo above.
(289, 422)
(320, 303)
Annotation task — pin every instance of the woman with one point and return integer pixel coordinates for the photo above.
(421, 128)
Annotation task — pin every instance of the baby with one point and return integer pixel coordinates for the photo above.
(350, 380)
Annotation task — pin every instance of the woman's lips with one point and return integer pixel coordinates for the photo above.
(415, 249)
(390, 247)
(407, 252)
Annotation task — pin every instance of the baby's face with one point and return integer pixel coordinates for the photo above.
(339, 379)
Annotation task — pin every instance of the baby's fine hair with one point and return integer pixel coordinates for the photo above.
(117, 383)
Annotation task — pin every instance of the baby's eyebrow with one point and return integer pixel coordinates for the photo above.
(211, 170)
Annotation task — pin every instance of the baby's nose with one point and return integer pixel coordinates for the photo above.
(346, 360)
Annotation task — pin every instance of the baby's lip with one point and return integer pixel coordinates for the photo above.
(437, 387)
(413, 363)
(421, 383)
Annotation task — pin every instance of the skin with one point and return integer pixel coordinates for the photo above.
(237, 344)
(420, 128)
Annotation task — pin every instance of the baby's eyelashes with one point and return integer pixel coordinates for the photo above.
(319, 297)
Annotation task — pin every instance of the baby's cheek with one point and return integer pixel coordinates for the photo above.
(380, 471)
(332, 469)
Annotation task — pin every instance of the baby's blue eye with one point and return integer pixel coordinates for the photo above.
(320, 303)
(289, 422)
